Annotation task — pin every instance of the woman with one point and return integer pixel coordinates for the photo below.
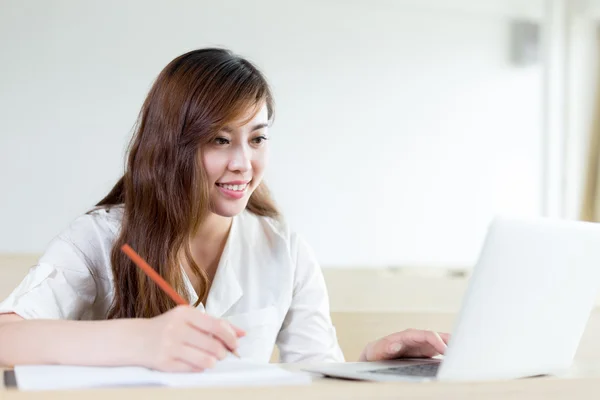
(193, 204)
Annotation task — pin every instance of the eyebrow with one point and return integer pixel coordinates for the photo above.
(254, 128)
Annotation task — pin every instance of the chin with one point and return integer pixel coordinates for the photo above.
(229, 210)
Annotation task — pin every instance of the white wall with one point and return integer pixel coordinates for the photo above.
(401, 128)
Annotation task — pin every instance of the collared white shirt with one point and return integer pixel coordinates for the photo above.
(268, 283)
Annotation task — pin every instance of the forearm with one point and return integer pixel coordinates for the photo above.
(93, 343)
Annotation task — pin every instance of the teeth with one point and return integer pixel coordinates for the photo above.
(237, 188)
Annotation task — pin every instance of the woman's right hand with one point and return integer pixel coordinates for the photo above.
(186, 339)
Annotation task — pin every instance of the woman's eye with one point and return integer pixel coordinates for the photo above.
(221, 141)
(259, 139)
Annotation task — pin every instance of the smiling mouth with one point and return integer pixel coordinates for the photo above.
(235, 188)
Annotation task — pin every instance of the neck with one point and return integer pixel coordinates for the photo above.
(214, 229)
(206, 246)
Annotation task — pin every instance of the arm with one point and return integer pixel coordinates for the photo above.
(183, 339)
(39, 320)
(42, 320)
(308, 333)
(101, 343)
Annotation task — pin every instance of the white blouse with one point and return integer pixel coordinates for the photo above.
(268, 283)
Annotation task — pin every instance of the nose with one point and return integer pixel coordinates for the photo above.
(240, 159)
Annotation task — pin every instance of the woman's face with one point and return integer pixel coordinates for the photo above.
(235, 162)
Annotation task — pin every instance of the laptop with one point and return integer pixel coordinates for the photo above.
(524, 312)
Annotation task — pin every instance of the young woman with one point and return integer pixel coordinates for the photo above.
(192, 203)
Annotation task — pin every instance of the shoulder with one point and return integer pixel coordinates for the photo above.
(97, 225)
(88, 238)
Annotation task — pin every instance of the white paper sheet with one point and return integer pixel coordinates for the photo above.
(229, 372)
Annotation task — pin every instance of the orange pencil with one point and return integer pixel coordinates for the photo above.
(152, 274)
(140, 262)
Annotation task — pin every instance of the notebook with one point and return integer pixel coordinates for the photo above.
(229, 372)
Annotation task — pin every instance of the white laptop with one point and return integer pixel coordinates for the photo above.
(524, 312)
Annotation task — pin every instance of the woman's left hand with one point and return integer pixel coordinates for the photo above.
(411, 343)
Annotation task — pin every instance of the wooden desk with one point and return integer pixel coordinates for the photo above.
(583, 381)
(420, 304)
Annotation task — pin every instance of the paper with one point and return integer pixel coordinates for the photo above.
(229, 372)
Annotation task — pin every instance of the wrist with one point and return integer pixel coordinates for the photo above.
(133, 349)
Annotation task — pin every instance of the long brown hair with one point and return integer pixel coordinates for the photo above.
(163, 191)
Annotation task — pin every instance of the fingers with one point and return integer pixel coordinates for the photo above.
(197, 359)
(238, 331)
(220, 329)
(445, 337)
(389, 350)
(408, 343)
(188, 359)
(434, 339)
(204, 342)
(386, 348)
(416, 337)
(179, 366)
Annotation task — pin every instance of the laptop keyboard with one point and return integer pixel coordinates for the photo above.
(425, 370)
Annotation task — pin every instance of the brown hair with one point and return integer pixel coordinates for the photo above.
(164, 191)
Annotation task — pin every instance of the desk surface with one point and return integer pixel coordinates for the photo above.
(582, 380)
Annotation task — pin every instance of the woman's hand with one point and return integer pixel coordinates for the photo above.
(185, 339)
(411, 343)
